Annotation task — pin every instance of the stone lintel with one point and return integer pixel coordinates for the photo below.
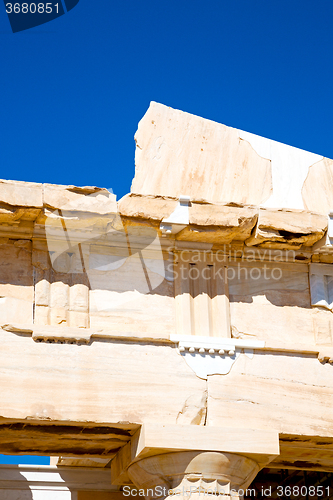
(153, 439)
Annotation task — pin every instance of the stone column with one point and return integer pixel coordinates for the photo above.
(194, 475)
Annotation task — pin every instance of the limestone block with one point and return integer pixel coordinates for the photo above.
(42, 293)
(59, 295)
(263, 320)
(58, 315)
(287, 229)
(78, 319)
(271, 300)
(18, 216)
(132, 311)
(143, 272)
(15, 265)
(146, 207)
(323, 327)
(316, 191)
(289, 393)
(23, 194)
(42, 315)
(15, 310)
(79, 297)
(84, 199)
(109, 381)
(218, 222)
(17, 292)
(182, 154)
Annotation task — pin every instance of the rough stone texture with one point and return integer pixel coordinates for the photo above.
(291, 394)
(178, 153)
(85, 199)
(146, 207)
(92, 310)
(23, 194)
(288, 229)
(271, 301)
(93, 383)
(319, 180)
(16, 282)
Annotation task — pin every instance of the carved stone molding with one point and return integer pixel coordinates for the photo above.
(193, 474)
(213, 356)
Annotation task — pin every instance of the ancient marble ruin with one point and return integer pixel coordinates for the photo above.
(178, 342)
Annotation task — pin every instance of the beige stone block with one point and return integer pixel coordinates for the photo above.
(146, 207)
(153, 442)
(79, 298)
(289, 393)
(316, 192)
(282, 228)
(208, 222)
(84, 199)
(58, 315)
(132, 311)
(17, 292)
(182, 154)
(323, 327)
(59, 295)
(265, 321)
(78, 319)
(271, 300)
(24, 194)
(13, 310)
(109, 381)
(42, 293)
(42, 315)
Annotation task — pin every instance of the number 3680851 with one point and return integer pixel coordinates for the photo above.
(32, 8)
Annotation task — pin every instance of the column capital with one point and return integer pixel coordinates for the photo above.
(193, 474)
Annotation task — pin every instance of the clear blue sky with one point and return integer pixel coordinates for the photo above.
(73, 90)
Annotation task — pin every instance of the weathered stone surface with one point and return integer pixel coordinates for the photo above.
(178, 153)
(101, 382)
(16, 282)
(271, 301)
(276, 391)
(316, 192)
(213, 223)
(219, 224)
(287, 229)
(84, 199)
(22, 194)
(99, 323)
(146, 207)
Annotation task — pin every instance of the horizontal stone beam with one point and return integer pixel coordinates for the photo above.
(155, 439)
